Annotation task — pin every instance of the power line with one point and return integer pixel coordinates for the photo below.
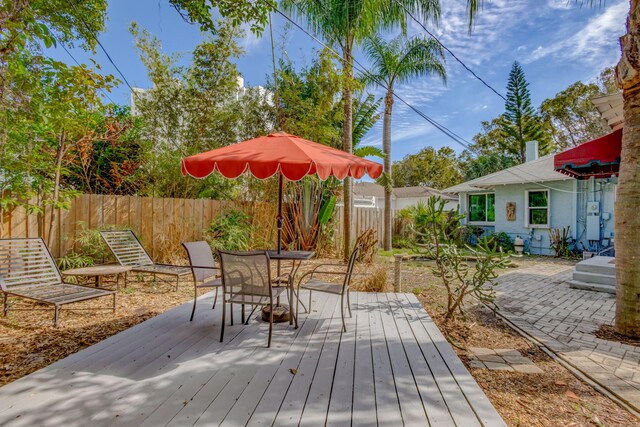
(90, 31)
(361, 68)
(135, 93)
(104, 92)
(450, 52)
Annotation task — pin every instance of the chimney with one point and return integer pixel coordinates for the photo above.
(532, 151)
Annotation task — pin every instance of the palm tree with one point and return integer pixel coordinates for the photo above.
(399, 61)
(627, 219)
(343, 24)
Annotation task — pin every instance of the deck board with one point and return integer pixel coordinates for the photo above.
(392, 366)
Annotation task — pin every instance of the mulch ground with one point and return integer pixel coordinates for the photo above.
(29, 341)
(555, 398)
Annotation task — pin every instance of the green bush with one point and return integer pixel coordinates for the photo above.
(502, 240)
(230, 231)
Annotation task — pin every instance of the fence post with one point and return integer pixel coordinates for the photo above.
(397, 278)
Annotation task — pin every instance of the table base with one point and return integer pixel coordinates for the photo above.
(280, 313)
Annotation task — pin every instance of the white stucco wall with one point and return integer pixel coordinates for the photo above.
(562, 212)
(405, 202)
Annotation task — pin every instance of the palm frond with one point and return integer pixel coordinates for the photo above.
(366, 113)
(369, 151)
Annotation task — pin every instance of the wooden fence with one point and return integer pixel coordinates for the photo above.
(161, 223)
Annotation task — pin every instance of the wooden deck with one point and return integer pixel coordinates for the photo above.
(392, 367)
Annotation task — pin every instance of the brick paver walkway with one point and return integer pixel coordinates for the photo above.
(538, 300)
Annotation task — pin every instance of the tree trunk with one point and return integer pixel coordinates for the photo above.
(627, 224)
(56, 186)
(347, 145)
(388, 189)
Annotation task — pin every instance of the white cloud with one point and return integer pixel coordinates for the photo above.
(561, 4)
(590, 43)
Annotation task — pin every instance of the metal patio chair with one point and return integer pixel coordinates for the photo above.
(27, 270)
(128, 251)
(203, 269)
(246, 280)
(330, 288)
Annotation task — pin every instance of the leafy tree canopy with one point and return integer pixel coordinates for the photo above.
(429, 167)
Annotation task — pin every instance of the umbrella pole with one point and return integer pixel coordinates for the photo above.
(280, 218)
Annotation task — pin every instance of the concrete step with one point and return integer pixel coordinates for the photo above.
(609, 270)
(598, 265)
(600, 279)
(577, 284)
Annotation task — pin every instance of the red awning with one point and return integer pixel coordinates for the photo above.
(599, 158)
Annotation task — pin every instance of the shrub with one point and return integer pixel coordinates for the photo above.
(368, 243)
(230, 231)
(502, 239)
(374, 281)
(460, 277)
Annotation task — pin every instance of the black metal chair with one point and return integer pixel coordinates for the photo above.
(328, 287)
(203, 269)
(246, 280)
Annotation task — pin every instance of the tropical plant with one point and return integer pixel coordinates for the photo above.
(560, 241)
(521, 122)
(343, 24)
(73, 260)
(461, 278)
(394, 62)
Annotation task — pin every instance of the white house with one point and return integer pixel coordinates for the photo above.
(530, 199)
(371, 195)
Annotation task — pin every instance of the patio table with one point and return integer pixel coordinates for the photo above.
(99, 271)
(296, 258)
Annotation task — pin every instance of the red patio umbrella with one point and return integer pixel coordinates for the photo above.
(287, 155)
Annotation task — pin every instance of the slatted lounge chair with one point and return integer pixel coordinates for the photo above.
(331, 288)
(246, 280)
(27, 270)
(128, 251)
(204, 270)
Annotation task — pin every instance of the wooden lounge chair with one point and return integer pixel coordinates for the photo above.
(203, 269)
(331, 288)
(246, 280)
(27, 270)
(128, 250)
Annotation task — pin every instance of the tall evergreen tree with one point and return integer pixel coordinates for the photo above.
(522, 122)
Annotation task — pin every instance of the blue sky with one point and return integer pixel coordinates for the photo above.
(558, 42)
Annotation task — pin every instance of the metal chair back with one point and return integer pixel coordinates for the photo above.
(350, 265)
(26, 263)
(246, 273)
(200, 255)
(126, 247)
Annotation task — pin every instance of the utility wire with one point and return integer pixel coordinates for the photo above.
(90, 31)
(104, 92)
(362, 69)
(135, 93)
(450, 52)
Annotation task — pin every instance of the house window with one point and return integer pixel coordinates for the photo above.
(537, 214)
(482, 207)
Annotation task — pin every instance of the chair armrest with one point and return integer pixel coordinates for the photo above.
(316, 271)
